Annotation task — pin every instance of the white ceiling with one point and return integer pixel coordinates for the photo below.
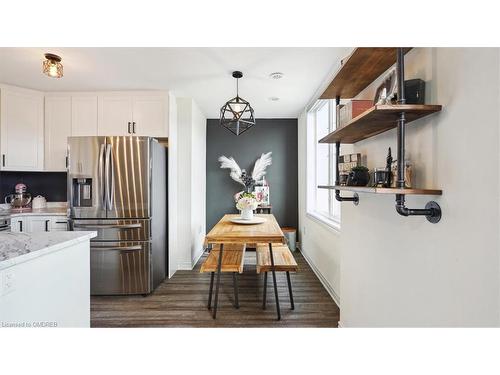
(201, 73)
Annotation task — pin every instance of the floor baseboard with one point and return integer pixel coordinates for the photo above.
(197, 257)
(188, 266)
(322, 279)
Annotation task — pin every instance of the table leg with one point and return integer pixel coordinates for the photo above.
(235, 287)
(219, 266)
(276, 296)
(265, 292)
(212, 274)
(290, 289)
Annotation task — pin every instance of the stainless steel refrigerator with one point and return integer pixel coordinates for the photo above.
(117, 186)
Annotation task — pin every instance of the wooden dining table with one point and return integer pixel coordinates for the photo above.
(225, 232)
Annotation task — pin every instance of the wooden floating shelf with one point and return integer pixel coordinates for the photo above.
(382, 190)
(376, 120)
(360, 69)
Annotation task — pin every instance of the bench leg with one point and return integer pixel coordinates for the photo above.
(290, 289)
(265, 292)
(276, 296)
(212, 274)
(219, 266)
(235, 286)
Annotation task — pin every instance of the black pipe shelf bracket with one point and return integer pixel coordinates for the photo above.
(432, 210)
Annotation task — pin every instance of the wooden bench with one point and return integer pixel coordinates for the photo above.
(283, 261)
(233, 260)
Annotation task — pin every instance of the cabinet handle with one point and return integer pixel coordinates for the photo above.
(20, 226)
(67, 162)
(128, 127)
(47, 225)
(3, 160)
(133, 127)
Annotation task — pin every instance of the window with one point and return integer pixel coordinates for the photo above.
(321, 203)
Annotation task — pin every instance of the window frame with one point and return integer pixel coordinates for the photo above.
(333, 217)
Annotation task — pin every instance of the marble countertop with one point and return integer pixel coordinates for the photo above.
(19, 247)
(50, 210)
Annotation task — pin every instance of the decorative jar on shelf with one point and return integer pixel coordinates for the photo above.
(359, 176)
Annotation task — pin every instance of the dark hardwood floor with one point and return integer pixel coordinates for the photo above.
(182, 302)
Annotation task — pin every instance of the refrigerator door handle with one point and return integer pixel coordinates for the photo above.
(110, 178)
(108, 226)
(114, 248)
(101, 175)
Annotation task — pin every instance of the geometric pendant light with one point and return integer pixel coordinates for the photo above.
(237, 115)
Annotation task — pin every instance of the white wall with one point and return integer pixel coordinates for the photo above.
(191, 182)
(198, 179)
(173, 157)
(398, 271)
(318, 243)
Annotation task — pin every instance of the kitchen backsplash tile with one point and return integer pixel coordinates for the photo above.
(51, 185)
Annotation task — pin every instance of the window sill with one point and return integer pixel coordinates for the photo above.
(321, 219)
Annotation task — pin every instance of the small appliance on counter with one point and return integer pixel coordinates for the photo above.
(39, 203)
(4, 224)
(20, 200)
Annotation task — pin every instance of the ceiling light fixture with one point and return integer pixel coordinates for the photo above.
(237, 115)
(52, 66)
(276, 75)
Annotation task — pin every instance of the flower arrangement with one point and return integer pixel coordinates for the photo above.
(246, 201)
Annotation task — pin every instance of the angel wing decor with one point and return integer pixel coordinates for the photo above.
(230, 163)
(240, 175)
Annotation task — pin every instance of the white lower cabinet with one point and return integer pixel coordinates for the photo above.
(58, 224)
(33, 224)
(18, 224)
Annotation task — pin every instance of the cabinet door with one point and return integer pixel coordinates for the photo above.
(38, 224)
(57, 131)
(18, 225)
(84, 115)
(150, 114)
(21, 131)
(115, 114)
(58, 224)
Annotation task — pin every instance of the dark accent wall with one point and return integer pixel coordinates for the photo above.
(276, 135)
(52, 185)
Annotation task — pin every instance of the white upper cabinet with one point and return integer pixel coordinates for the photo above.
(150, 115)
(133, 113)
(57, 131)
(115, 114)
(83, 115)
(34, 126)
(21, 129)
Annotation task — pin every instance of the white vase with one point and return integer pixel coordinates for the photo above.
(247, 214)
